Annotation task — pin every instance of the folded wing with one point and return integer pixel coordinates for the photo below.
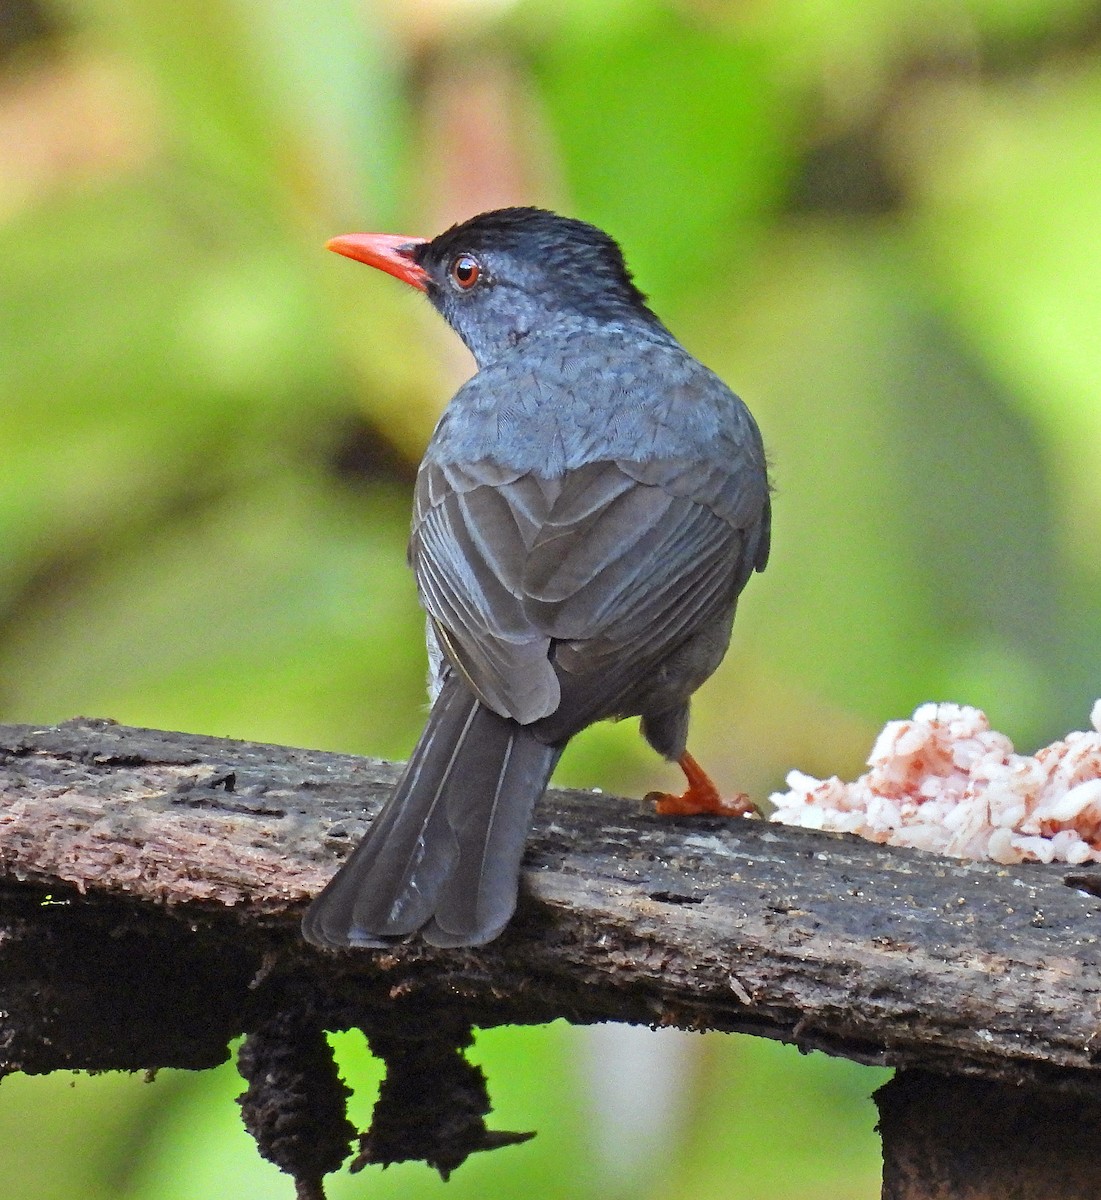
(585, 582)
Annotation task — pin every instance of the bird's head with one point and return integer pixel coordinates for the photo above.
(504, 274)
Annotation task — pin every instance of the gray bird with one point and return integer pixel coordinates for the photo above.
(589, 508)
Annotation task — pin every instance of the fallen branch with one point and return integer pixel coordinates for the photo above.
(151, 886)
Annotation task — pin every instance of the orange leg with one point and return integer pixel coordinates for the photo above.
(701, 796)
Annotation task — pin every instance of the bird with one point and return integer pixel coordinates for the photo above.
(588, 510)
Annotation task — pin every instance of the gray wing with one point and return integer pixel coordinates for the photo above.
(584, 582)
(471, 533)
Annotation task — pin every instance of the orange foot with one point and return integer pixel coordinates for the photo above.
(701, 796)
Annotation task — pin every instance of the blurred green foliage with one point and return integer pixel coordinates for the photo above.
(879, 221)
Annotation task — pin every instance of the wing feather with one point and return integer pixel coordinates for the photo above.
(580, 584)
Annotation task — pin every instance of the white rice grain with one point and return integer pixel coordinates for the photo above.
(945, 781)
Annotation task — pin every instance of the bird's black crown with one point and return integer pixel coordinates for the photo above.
(576, 254)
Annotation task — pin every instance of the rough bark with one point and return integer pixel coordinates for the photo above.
(972, 1139)
(176, 868)
(151, 886)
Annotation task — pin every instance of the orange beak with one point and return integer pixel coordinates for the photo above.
(387, 252)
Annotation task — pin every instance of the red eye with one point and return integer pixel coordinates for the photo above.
(465, 271)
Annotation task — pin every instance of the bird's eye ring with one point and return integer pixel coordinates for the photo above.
(466, 270)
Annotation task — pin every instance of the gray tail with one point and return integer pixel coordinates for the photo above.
(443, 855)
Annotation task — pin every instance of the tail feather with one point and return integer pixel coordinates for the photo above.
(443, 856)
(479, 895)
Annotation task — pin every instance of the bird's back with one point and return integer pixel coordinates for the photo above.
(582, 393)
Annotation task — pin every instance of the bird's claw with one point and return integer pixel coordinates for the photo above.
(699, 801)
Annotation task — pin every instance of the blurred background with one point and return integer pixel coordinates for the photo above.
(879, 221)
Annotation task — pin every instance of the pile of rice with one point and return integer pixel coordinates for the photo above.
(945, 781)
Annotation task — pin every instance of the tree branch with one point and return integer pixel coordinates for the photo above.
(151, 886)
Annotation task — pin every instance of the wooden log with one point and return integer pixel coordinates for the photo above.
(975, 1139)
(151, 885)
